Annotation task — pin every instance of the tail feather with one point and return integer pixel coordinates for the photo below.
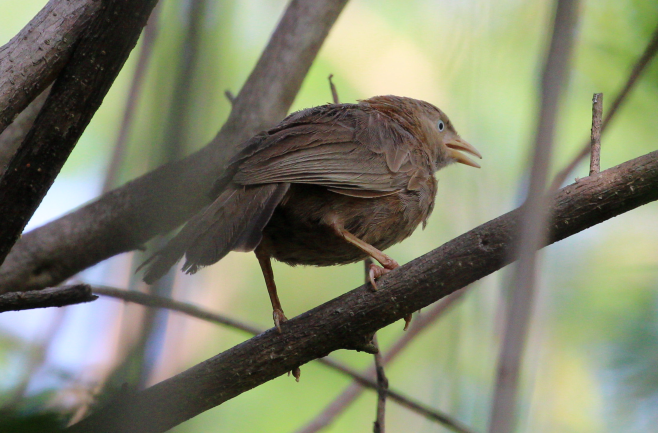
(234, 221)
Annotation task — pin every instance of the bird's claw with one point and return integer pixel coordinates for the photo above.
(377, 271)
(279, 318)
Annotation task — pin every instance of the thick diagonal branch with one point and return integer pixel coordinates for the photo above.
(127, 217)
(359, 313)
(75, 96)
(31, 60)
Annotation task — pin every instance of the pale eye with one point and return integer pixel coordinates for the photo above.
(441, 126)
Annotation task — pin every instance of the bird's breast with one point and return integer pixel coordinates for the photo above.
(298, 232)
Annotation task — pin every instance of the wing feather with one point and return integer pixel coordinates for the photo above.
(346, 148)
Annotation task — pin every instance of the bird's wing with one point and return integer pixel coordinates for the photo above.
(350, 150)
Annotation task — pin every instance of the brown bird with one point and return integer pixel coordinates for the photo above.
(329, 185)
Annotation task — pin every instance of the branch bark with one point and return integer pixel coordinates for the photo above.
(53, 297)
(33, 58)
(12, 137)
(356, 315)
(595, 137)
(125, 218)
(98, 57)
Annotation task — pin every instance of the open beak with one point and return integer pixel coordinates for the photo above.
(458, 145)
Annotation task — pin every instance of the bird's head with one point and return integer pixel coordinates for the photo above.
(431, 126)
(446, 144)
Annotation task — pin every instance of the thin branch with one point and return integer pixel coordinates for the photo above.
(12, 137)
(334, 92)
(230, 96)
(159, 201)
(182, 307)
(79, 90)
(638, 69)
(595, 138)
(364, 380)
(33, 58)
(121, 144)
(408, 402)
(53, 297)
(361, 312)
(535, 218)
(354, 390)
(382, 391)
(382, 380)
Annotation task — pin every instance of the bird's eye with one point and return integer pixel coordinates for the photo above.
(441, 125)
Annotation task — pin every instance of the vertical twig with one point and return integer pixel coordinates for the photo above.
(382, 392)
(639, 68)
(382, 380)
(334, 93)
(230, 96)
(503, 411)
(595, 138)
(350, 394)
(119, 153)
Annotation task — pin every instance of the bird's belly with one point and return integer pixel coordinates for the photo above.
(298, 232)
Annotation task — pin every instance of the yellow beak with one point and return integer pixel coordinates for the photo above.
(458, 145)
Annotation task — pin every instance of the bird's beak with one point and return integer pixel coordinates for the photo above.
(458, 145)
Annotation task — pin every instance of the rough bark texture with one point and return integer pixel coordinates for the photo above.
(347, 321)
(158, 202)
(53, 297)
(77, 93)
(12, 137)
(31, 60)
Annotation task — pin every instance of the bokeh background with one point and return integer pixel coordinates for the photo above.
(591, 362)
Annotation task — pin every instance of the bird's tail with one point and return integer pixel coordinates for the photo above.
(233, 222)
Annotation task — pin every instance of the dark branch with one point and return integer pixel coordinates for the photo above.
(382, 392)
(52, 297)
(125, 218)
(12, 137)
(34, 57)
(362, 312)
(77, 93)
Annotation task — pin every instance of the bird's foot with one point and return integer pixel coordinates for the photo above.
(296, 373)
(407, 321)
(377, 271)
(279, 318)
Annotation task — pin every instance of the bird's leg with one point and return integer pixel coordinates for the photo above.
(375, 271)
(266, 267)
